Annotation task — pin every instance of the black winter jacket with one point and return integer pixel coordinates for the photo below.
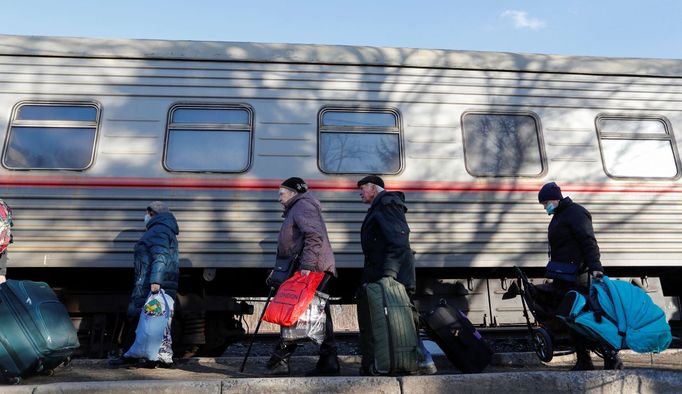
(156, 260)
(571, 237)
(385, 238)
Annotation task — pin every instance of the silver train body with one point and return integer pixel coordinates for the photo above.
(468, 136)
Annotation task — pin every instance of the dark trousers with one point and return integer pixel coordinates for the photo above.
(128, 333)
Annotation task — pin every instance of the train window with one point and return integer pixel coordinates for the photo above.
(502, 144)
(51, 136)
(204, 138)
(637, 147)
(359, 141)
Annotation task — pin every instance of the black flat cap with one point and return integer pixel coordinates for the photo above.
(371, 179)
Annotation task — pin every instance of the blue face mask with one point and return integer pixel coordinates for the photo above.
(147, 217)
(550, 209)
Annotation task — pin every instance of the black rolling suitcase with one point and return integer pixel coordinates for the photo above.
(454, 333)
(36, 333)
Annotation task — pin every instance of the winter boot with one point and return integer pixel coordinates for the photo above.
(327, 364)
(279, 361)
(122, 361)
(612, 361)
(584, 361)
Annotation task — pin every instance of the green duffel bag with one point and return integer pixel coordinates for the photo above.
(388, 335)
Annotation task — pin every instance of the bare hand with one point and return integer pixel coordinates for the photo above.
(597, 274)
(305, 272)
(2, 279)
(155, 287)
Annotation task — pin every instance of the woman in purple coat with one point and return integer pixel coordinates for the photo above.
(304, 233)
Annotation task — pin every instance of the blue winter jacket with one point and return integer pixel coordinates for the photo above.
(156, 260)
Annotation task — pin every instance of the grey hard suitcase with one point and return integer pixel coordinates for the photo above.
(36, 333)
(388, 335)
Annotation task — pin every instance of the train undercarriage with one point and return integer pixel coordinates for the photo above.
(217, 308)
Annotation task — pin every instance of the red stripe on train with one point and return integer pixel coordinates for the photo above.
(321, 185)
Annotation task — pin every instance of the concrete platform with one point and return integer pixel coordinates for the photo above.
(512, 372)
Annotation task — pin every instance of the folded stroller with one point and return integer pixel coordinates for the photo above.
(539, 304)
(617, 315)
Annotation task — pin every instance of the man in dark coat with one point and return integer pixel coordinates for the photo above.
(385, 239)
(304, 233)
(157, 266)
(571, 240)
(385, 235)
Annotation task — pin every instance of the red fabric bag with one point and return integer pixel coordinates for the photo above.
(293, 298)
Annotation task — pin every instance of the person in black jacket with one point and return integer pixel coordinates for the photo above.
(571, 240)
(385, 239)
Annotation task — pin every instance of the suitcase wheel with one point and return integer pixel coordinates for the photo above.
(542, 343)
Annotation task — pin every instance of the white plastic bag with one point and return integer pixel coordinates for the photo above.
(311, 324)
(152, 336)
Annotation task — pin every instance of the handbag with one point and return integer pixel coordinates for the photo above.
(293, 298)
(567, 272)
(284, 268)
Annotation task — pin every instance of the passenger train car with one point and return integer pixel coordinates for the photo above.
(96, 129)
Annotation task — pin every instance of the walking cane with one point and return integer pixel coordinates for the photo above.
(253, 338)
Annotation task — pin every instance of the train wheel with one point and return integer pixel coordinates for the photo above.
(222, 329)
(542, 343)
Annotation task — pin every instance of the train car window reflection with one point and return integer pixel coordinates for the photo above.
(359, 141)
(359, 119)
(637, 148)
(502, 145)
(57, 113)
(624, 126)
(51, 136)
(209, 139)
(629, 158)
(217, 116)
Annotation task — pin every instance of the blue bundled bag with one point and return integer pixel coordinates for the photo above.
(619, 314)
(153, 328)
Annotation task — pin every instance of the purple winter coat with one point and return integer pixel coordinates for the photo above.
(304, 232)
